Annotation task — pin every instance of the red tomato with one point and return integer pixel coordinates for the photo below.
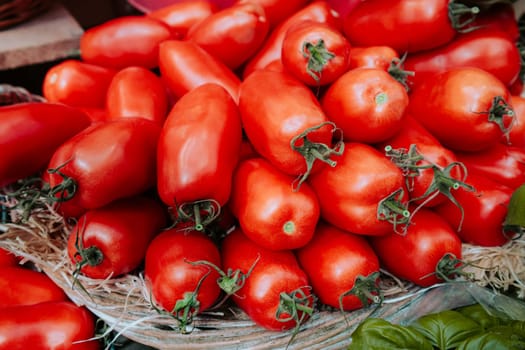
(124, 41)
(466, 109)
(501, 163)
(122, 151)
(269, 211)
(405, 25)
(367, 104)
(184, 66)
(31, 132)
(199, 149)
(334, 260)
(315, 53)
(491, 50)
(415, 255)
(126, 97)
(96, 115)
(276, 294)
(241, 28)
(277, 11)
(181, 16)
(479, 218)
(380, 56)
(51, 325)
(517, 132)
(7, 258)
(271, 50)
(177, 284)
(77, 84)
(275, 126)
(499, 15)
(112, 240)
(364, 193)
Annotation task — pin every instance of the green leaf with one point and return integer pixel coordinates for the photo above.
(446, 329)
(478, 314)
(516, 210)
(378, 334)
(491, 341)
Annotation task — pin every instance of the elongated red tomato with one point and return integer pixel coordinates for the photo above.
(199, 149)
(367, 104)
(497, 16)
(124, 41)
(181, 16)
(23, 286)
(415, 255)
(517, 132)
(50, 325)
(315, 53)
(379, 56)
(285, 128)
(405, 25)
(278, 11)
(466, 109)
(479, 219)
(241, 29)
(31, 132)
(126, 97)
(184, 65)
(77, 84)
(180, 282)
(269, 211)
(112, 240)
(276, 294)
(7, 258)
(491, 50)
(334, 260)
(364, 194)
(122, 150)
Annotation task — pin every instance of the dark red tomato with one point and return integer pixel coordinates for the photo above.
(289, 126)
(233, 34)
(269, 211)
(517, 132)
(405, 25)
(277, 294)
(112, 240)
(343, 7)
(480, 215)
(96, 115)
(415, 255)
(31, 132)
(126, 95)
(51, 325)
(124, 41)
(199, 149)
(367, 104)
(77, 84)
(334, 260)
(184, 65)
(498, 16)
(466, 109)
(271, 50)
(7, 258)
(501, 163)
(22, 286)
(431, 170)
(277, 11)
(491, 50)
(380, 57)
(182, 15)
(315, 53)
(105, 162)
(181, 283)
(364, 193)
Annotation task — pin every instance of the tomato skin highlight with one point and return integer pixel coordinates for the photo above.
(273, 272)
(124, 41)
(333, 260)
(121, 231)
(269, 211)
(199, 147)
(415, 255)
(40, 129)
(59, 325)
(367, 104)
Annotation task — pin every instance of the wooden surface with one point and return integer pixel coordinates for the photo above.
(50, 36)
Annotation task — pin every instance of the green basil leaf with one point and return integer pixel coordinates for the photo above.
(378, 334)
(478, 314)
(446, 329)
(491, 341)
(516, 209)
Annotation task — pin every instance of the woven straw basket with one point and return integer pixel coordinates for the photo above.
(125, 303)
(13, 12)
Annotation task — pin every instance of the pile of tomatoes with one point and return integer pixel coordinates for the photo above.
(279, 154)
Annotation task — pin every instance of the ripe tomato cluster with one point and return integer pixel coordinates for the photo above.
(279, 154)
